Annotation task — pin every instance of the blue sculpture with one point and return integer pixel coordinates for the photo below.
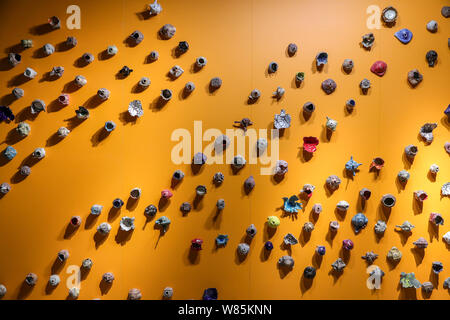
(321, 59)
(359, 221)
(9, 153)
(320, 250)
(210, 294)
(352, 165)
(221, 240)
(6, 114)
(404, 36)
(447, 112)
(268, 245)
(291, 205)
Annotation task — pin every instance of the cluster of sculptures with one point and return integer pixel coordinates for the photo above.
(291, 205)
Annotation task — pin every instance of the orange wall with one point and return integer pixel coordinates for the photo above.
(239, 39)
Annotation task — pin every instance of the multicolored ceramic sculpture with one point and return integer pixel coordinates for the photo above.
(291, 205)
(408, 280)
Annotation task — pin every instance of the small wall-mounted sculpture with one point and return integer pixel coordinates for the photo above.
(135, 108)
(321, 59)
(308, 108)
(290, 240)
(82, 113)
(154, 55)
(175, 72)
(26, 43)
(196, 244)
(80, 81)
(404, 35)
(249, 184)
(403, 176)
(431, 57)
(299, 78)
(320, 250)
(394, 254)
(221, 240)
(333, 182)
(308, 227)
(200, 62)
(167, 31)
(334, 226)
(380, 227)
(164, 223)
(408, 280)
(331, 124)
(352, 166)
(118, 203)
(350, 105)
(18, 93)
(29, 73)
(136, 37)
(286, 261)
(414, 77)
(420, 195)
(292, 49)
(134, 294)
(388, 200)
(282, 120)
(310, 144)
(421, 243)
(37, 106)
(279, 93)
(38, 153)
(348, 65)
(370, 257)
(273, 221)
(154, 8)
(359, 222)
(389, 16)
(329, 85)
(317, 208)
(290, 205)
(23, 129)
(445, 190)
(215, 83)
(281, 168)
(74, 292)
(104, 228)
(238, 162)
(338, 265)
(112, 50)
(218, 178)
(365, 85)
(57, 72)
(379, 68)
(166, 94)
(406, 226)
(243, 249)
(127, 224)
(254, 95)
(273, 67)
(48, 49)
(426, 132)
(368, 40)
(436, 219)
(307, 190)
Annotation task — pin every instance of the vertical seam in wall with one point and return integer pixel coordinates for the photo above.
(249, 147)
